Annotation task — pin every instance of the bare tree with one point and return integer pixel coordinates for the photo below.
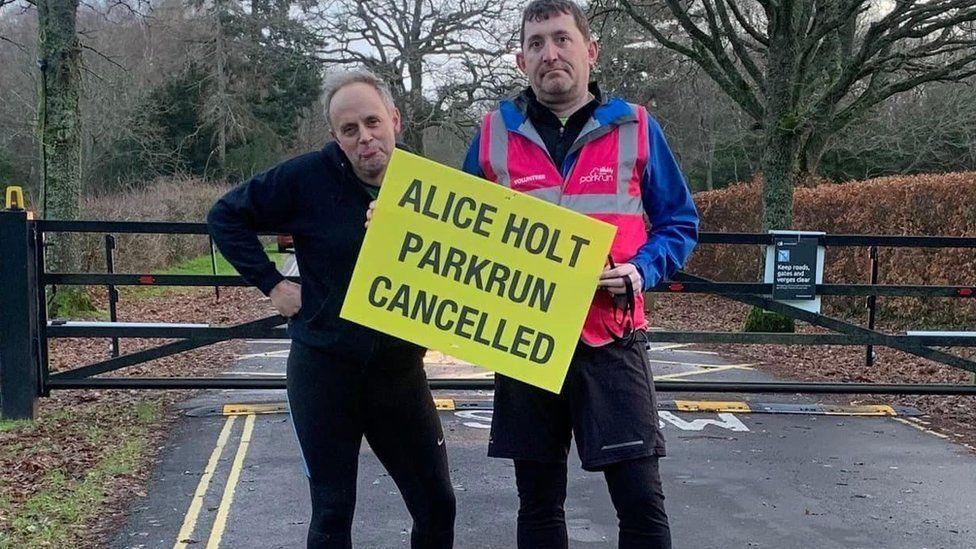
(440, 57)
(929, 129)
(704, 126)
(805, 69)
(225, 108)
(18, 100)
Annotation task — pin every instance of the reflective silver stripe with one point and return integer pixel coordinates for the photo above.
(627, 140)
(528, 130)
(592, 203)
(549, 194)
(498, 149)
(623, 445)
(592, 130)
(590, 125)
(603, 204)
(621, 202)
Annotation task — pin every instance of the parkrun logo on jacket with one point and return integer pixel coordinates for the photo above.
(598, 175)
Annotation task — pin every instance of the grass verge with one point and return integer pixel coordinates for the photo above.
(68, 478)
(66, 498)
(202, 265)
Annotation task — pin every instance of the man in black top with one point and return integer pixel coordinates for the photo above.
(345, 381)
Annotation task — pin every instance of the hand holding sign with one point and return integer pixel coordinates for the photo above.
(369, 212)
(477, 271)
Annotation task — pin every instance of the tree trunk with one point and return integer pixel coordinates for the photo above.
(779, 160)
(781, 145)
(710, 175)
(413, 128)
(779, 173)
(59, 124)
(413, 125)
(223, 113)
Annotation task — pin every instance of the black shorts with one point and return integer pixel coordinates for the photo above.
(607, 402)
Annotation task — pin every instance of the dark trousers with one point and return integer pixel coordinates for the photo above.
(635, 490)
(384, 397)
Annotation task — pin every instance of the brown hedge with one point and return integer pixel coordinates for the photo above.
(175, 198)
(934, 204)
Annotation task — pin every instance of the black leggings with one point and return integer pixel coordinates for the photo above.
(334, 403)
(635, 489)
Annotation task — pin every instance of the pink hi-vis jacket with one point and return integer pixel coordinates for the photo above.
(618, 169)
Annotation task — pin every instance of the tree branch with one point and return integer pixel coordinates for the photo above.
(744, 23)
(103, 56)
(738, 45)
(15, 44)
(712, 44)
(958, 70)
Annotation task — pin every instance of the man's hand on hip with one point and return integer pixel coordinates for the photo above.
(613, 279)
(287, 298)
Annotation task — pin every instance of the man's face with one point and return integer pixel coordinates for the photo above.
(556, 58)
(365, 128)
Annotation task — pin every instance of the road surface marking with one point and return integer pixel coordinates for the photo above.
(193, 513)
(281, 353)
(668, 347)
(696, 352)
(747, 366)
(712, 406)
(220, 522)
(916, 425)
(725, 421)
(698, 372)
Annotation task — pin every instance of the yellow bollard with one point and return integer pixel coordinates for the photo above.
(15, 198)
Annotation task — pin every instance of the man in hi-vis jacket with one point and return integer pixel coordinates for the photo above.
(563, 141)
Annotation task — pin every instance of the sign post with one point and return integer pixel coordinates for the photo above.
(794, 266)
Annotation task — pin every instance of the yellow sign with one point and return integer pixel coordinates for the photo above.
(15, 198)
(477, 271)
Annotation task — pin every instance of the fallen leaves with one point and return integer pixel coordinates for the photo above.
(77, 431)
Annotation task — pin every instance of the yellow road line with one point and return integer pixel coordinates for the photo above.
(699, 372)
(711, 406)
(444, 403)
(220, 522)
(190, 520)
(919, 427)
(256, 408)
(860, 410)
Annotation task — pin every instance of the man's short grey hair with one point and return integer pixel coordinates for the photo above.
(338, 80)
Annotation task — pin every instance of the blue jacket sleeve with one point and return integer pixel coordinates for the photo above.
(668, 204)
(471, 164)
(264, 203)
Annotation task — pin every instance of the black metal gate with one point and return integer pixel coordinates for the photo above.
(26, 330)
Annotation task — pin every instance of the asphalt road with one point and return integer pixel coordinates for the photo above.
(731, 479)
